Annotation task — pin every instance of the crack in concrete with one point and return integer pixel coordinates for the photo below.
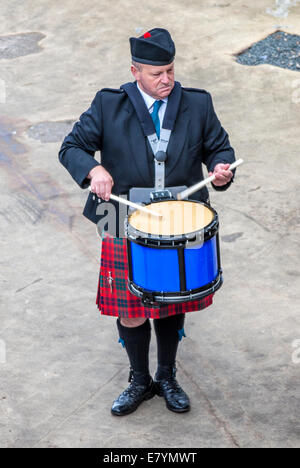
(30, 284)
(211, 409)
(6, 215)
(247, 216)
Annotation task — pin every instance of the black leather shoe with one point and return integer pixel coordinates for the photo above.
(176, 399)
(132, 397)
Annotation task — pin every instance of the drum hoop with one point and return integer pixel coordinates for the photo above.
(161, 241)
(179, 296)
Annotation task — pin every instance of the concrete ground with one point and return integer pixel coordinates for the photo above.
(60, 363)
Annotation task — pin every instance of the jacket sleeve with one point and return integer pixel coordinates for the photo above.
(216, 143)
(78, 148)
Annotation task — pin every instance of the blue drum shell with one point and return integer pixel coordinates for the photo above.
(158, 269)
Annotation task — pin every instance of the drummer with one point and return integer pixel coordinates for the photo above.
(111, 125)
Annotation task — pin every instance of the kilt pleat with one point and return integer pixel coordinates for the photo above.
(114, 298)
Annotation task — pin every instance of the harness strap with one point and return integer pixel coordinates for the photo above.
(158, 146)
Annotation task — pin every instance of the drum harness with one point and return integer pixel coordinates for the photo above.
(158, 146)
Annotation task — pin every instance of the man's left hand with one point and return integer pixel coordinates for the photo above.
(223, 175)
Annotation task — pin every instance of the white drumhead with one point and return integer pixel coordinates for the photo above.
(178, 218)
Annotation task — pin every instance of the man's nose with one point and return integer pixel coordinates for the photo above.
(165, 78)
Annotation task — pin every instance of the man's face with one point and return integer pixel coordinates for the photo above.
(156, 81)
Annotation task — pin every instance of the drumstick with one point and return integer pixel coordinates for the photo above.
(133, 205)
(194, 188)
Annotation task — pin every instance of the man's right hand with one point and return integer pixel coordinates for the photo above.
(101, 182)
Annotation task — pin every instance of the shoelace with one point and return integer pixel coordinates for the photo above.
(171, 386)
(133, 390)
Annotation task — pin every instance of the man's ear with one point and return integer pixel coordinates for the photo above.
(134, 71)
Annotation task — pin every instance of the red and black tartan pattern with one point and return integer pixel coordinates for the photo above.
(117, 300)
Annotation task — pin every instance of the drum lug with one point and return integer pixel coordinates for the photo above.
(148, 300)
(195, 239)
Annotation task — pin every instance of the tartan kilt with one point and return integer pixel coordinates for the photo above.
(118, 300)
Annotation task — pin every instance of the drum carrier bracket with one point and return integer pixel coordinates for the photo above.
(159, 195)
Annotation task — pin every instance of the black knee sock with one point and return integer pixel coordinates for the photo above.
(169, 332)
(136, 341)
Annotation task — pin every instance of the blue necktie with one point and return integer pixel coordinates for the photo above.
(155, 118)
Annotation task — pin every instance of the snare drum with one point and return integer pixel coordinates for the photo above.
(175, 258)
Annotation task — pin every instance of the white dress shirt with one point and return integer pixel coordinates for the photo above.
(149, 101)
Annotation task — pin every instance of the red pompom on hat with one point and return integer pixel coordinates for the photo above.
(147, 34)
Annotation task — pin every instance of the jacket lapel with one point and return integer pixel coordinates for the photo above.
(177, 140)
(138, 145)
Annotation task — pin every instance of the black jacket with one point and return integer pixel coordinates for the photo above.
(111, 126)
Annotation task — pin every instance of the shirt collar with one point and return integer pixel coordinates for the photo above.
(149, 100)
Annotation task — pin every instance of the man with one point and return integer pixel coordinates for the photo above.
(112, 125)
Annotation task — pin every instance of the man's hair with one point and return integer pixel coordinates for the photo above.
(137, 65)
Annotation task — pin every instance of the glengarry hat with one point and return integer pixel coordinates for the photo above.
(155, 47)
